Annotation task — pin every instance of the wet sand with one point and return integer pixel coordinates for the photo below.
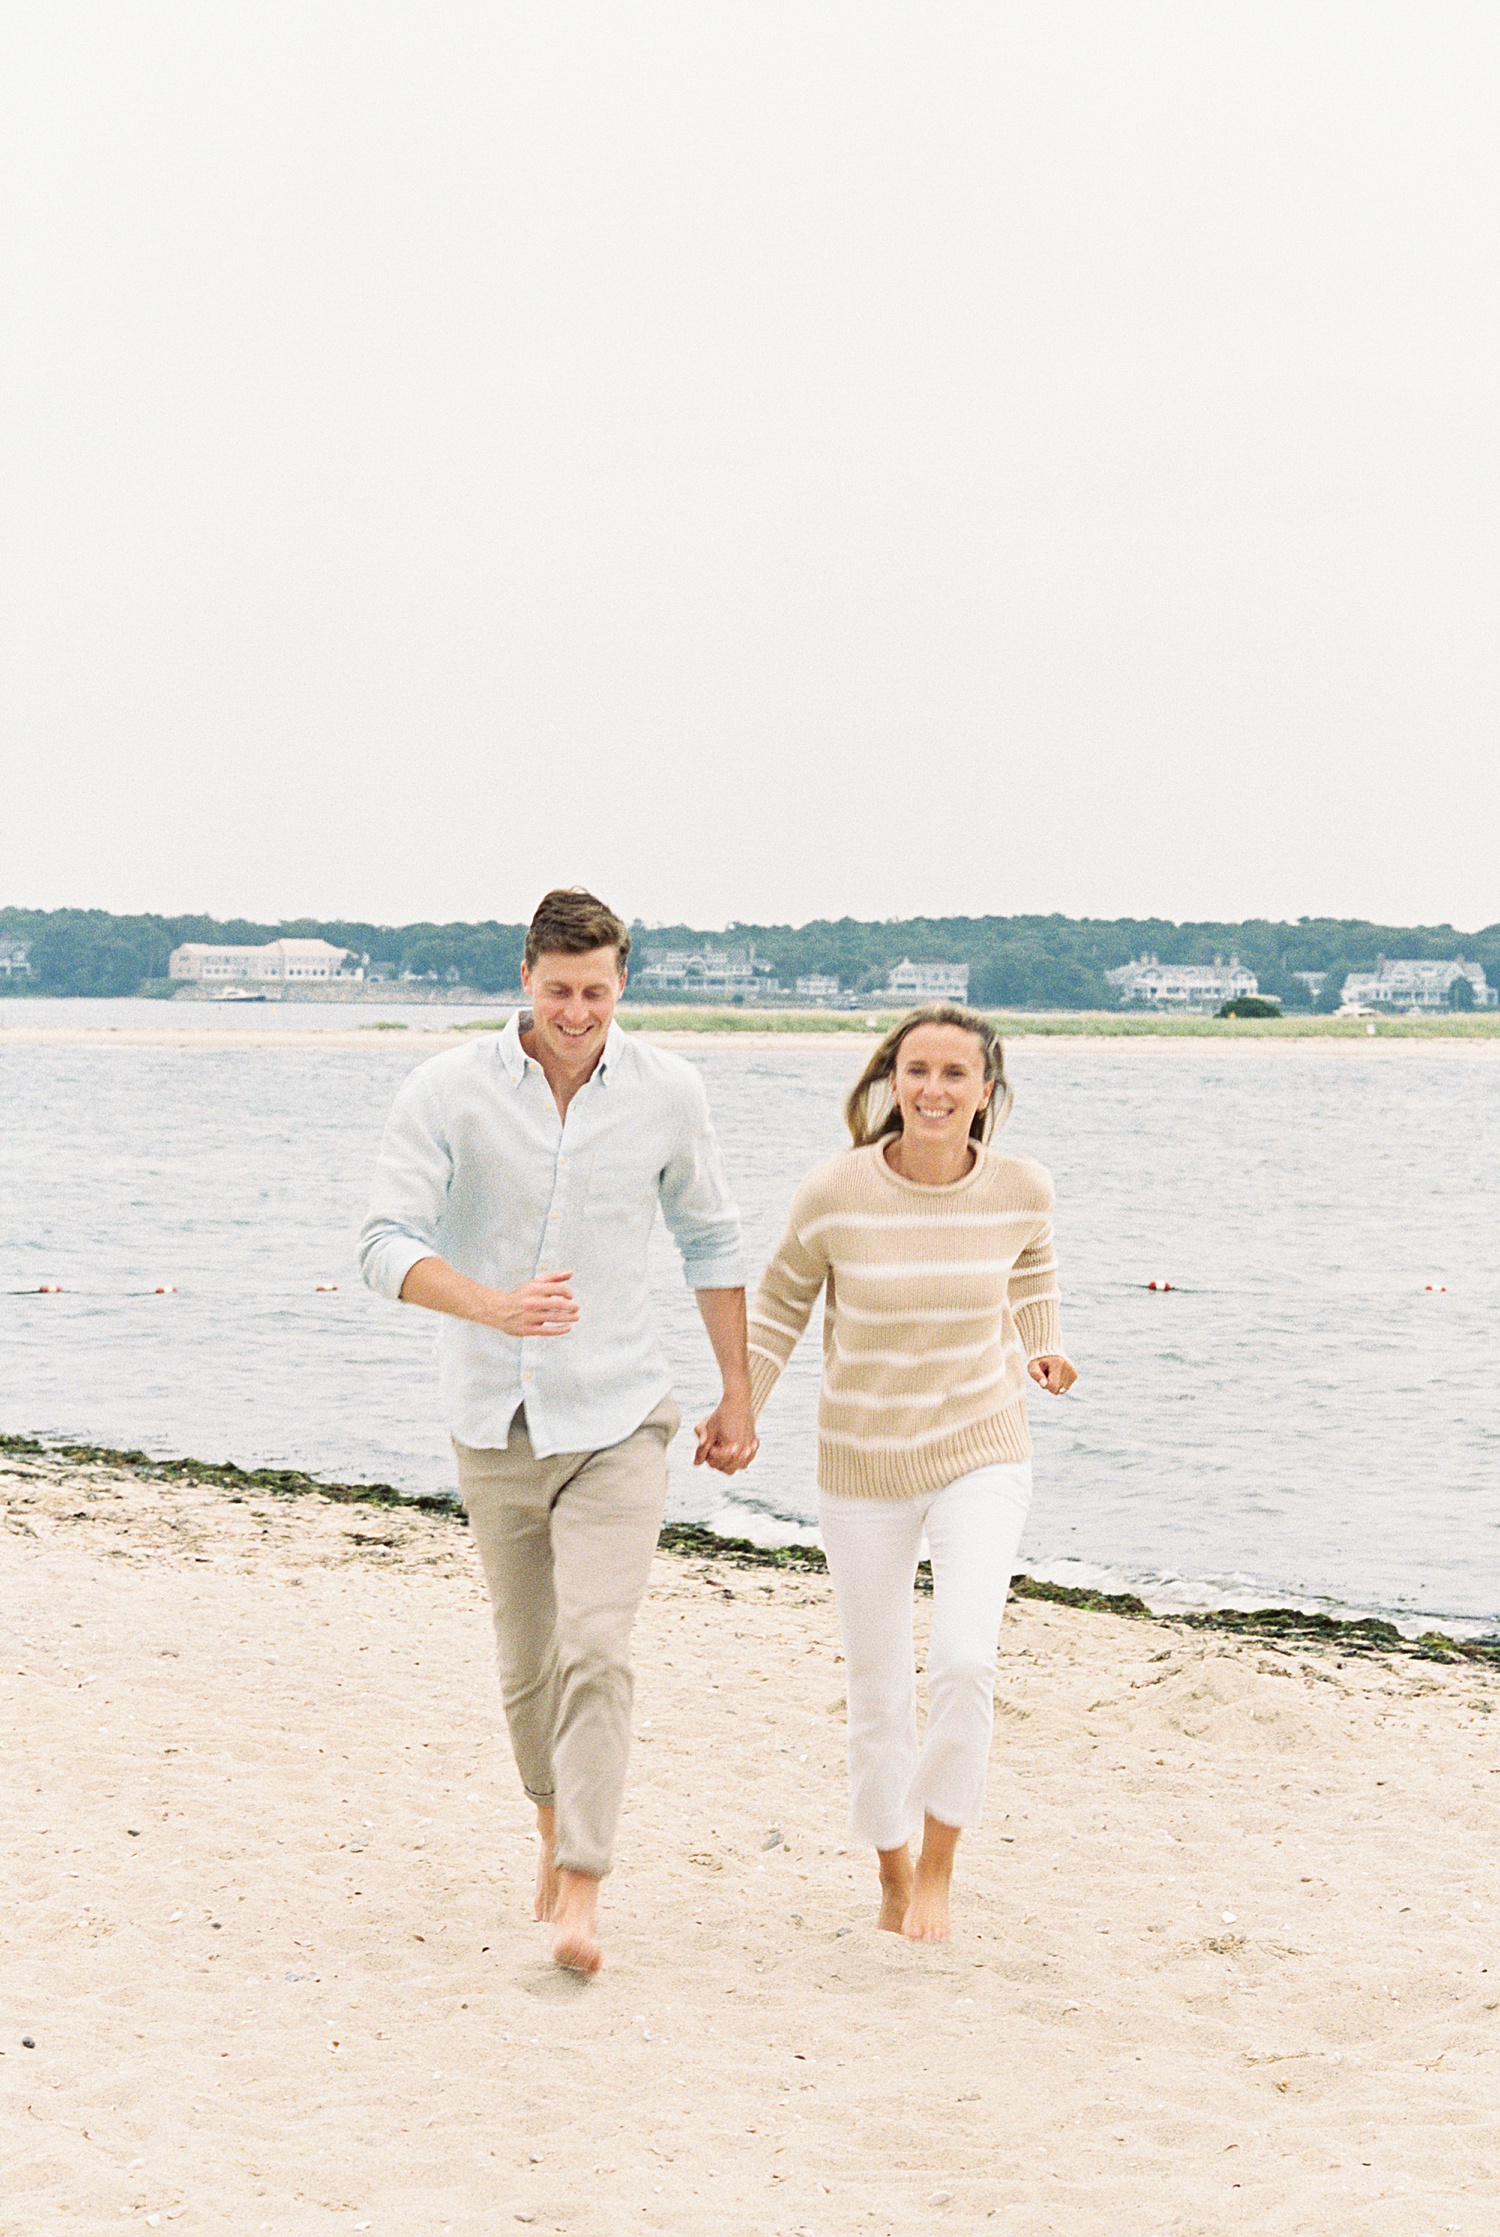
(1225, 1955)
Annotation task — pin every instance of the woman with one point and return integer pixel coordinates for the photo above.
(934, 1255)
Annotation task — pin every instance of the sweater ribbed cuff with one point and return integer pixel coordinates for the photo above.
(763, 1378)
(1039, 1326)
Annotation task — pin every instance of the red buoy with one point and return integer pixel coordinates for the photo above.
(1158, 1285)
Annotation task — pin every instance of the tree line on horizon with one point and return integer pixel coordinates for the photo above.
(1019, 962)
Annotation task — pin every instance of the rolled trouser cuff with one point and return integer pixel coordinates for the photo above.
(587, 1864)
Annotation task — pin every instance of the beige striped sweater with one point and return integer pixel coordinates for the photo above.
(934, 1301)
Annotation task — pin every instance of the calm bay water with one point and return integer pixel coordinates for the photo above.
(1300, 1418)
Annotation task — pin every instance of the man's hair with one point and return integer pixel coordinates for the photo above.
(572, 921)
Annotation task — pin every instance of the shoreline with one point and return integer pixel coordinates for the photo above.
(386, 1038)
(1463, 1028)
(694, 1541)
(1223, 1941)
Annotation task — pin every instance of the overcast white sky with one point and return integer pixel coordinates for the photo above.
(762, 461)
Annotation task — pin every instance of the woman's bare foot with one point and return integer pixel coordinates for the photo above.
(895, 1888)
(927, 1916)
(546, 1871)
(575, 1921)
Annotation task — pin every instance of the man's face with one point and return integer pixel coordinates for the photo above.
(573, 998)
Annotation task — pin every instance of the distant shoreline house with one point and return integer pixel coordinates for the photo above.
(729, 972)
(817, 986)
(1415, 983)
(927, 982)
(1183, 986)
(280, 960)
(15, 959)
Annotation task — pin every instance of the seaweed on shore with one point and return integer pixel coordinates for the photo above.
(282, 1483)
(742, 1553)
(690, 1540)
(1350, 1634)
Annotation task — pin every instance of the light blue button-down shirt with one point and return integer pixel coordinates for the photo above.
(476, 1167)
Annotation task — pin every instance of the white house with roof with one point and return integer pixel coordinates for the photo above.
(727, 971)
(15, 959)
(286, 961)
(927, 982)
(1183, 986)
(818, 986)
(1415, 983)
(698, 970)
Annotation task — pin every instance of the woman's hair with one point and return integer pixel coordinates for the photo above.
(872, 1111)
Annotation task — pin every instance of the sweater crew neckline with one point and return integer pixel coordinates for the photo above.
(929, 1191)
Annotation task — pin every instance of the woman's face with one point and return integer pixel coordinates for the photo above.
(939, 1083)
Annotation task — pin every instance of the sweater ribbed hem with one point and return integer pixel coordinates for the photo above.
(909, 1471)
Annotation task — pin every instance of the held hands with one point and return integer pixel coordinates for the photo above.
(541, 1307)
(727, 1439)
(1053, 1372)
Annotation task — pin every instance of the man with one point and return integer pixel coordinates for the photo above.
(517, 1186)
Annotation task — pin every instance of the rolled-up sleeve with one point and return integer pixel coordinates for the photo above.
(702, 1216)
(413, 1175)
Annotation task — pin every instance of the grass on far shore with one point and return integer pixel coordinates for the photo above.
(1087, 1024)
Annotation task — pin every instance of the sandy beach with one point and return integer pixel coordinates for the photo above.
(1225, 1955)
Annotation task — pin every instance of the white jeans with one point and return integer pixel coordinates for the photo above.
(973, 1531)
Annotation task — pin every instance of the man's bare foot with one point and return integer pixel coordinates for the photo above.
(927, 1916)
(546, 1871)
(895, 1888)
(575, 1921)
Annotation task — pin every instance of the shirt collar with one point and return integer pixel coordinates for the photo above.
(512, 1055)
(515, 1059)
(615, 1045)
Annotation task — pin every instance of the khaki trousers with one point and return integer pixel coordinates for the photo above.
(567, 1545)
